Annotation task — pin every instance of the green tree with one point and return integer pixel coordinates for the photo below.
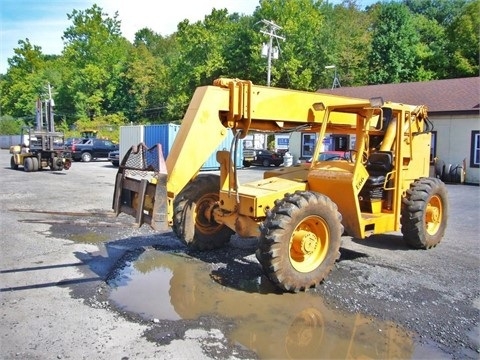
(345, 39)
(430, 50)
(443, 12)
(300, 64)
(146, 84)
(240, 50)
(393, 56)
(24, 81)
(147, 75)
(436, 50)
(199, 60)
(464, 44)
(10, 125)
(94, 59)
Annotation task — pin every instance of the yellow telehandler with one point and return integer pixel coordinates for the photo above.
(298, 213)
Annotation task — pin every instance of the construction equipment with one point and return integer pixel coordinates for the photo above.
(298, 213)
(41, 147)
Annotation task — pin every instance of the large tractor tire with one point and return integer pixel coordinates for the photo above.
(300, 240)
(28, 164)
(191, 222)
(424, 213)
(13, 164)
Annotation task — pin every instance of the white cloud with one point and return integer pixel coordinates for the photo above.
(163, 17)
(43, 23)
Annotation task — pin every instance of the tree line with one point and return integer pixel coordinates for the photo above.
(102, 78)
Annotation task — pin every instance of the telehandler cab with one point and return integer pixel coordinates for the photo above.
(298, 213)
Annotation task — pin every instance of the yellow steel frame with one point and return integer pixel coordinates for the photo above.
(240, 106)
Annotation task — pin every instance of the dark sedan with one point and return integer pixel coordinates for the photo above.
(261, 157)
(114, 157)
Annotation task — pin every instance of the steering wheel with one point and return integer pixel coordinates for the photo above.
(351, 155)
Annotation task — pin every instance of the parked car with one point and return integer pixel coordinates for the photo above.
(332, 155)
(72, 140)
(114, 157)
(91, 149)
(261, 157)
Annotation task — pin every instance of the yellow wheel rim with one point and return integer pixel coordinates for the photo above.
(433, 215)
(309, 244)
(202, 210)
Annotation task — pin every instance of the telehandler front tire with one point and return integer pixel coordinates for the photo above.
(300, 240)
(424, 213)
(191, 223)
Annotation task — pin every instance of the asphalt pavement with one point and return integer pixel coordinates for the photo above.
(60, 244)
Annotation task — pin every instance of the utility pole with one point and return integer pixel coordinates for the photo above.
(268, 50)
(336, 82)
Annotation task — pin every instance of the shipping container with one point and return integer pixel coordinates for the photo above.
(160, 134)
(165, 134)
(212, 163)
(130, 135)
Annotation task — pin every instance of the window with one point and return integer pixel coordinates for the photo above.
(308, 145)
(340, 142)
(433, 147)
(282, 141)
(475, 149)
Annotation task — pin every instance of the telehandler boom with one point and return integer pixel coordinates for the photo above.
(298, 213)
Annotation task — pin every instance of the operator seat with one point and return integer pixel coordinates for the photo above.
(379, 164)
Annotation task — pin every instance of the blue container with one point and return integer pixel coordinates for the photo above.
(165, 134)
(212, 163)
(160, 134)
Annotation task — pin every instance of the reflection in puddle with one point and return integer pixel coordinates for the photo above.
(171, 286)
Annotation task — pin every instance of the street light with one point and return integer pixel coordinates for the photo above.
(336, 82)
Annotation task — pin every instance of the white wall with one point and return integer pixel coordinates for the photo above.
(255, 141)
(454, 134)
(8, 140)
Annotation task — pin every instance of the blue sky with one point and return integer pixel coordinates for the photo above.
(43, 22)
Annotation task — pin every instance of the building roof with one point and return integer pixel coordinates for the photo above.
(440, 96)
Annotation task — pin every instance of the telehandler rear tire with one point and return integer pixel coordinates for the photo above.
(300, 240)
(424, 213)
(190, 221)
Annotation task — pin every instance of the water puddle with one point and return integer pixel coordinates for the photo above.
(172, 286)
(88, 238)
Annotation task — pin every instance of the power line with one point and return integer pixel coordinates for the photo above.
(270, 29)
